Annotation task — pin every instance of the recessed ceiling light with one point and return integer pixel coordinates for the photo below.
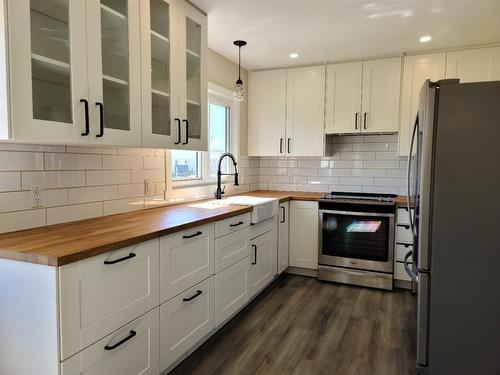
(425, 39)
(293, 55)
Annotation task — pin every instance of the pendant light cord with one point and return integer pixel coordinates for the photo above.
(239, 62)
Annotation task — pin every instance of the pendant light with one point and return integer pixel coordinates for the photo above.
(239, 88)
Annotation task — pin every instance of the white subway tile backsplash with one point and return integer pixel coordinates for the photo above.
(338, 164)
(91, 150)
(122, 162)
(21, 161)
(136, 151)
(390, 155)
(381, 189)
(71, 162)
(20, 220)
(396, 182)
(313, 163)
(154, 175)
(49, 180)
(154, 162)
(123, 205)
(111, 177)
(391, 138)
(356, 181)
(55, 197)
(64, 214)
(367, 172)
(357, 155)
(346, 188)
(277, 163)
(282, 187)
(131, 190)
(15, 201)
(92, 194)
(381, 164)
(10, 181)
(323, 180)
(33, 148)
(372, 146)
(334, 172)
(304, 171)
(273, 171)
(319, 188)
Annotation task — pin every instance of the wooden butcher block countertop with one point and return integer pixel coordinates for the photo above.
(61, 244)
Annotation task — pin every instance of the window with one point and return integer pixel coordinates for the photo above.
(200, 168)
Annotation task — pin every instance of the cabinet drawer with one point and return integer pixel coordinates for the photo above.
(186, 258)
(400, 272)
(231, 290)
(232, 224)
(185, 320)
(133, 349)
(101, 294)
(402, 250)
(231, 248)
(403, 217)
(403, 234)
(262, 227)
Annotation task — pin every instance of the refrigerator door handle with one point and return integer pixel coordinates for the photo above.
(408, 177)
(410, 273)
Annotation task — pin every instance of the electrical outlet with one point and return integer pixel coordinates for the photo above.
(149, 187)
(36, 196)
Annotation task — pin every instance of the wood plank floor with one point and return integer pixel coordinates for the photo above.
(302, 326)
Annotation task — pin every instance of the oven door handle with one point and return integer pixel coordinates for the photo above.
(410, 273)
(356, 213)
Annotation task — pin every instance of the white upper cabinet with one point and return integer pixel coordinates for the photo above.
(363, 97)
(305, 111)
(267, 102)
(343, 93)
(416, 70)
(380, 98)
(475, 65)
(114, 67)
(48, 71)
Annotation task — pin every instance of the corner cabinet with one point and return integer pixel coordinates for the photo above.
(474, 65)
(287, 112)
(108, 72)
(363, 97)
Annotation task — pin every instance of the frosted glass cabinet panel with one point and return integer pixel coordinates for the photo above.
(48, 70)
(113, 28)
(159, 89)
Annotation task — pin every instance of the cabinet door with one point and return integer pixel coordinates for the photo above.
(263, 261)
(380, 98)
(132, 350)
(100, 294)
(267, 101)
(416, 69)
(475, 65)
(48, 70)
(283, 237)
(185, 320)
(343, 98)
(231, 290)
(113, 47)
(231, 248)
(186, 258)
(193, 104)
(304, 234)
(305, 125)
(159, 77)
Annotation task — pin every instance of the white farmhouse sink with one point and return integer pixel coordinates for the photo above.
(263, 208)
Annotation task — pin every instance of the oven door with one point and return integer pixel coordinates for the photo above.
(359, 240)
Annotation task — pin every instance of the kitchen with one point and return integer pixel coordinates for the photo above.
(238, 187)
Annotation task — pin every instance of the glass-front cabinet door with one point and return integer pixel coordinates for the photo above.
(48, 71)
(159, 78)
(113, 29)
(193, 82)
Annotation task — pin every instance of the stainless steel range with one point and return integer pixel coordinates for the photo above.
(356, 238)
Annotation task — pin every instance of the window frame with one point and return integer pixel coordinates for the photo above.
(205, 186)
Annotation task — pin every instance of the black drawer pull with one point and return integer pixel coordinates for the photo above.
(193, 235)
(122, 341)
(198, 293)
(130, 256)
(255, 254)
(237, 224)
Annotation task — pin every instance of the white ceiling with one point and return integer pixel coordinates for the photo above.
(332, 30)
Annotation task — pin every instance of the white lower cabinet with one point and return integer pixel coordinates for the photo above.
(185, 320)
(131, 350)
(231, 290)
(98, 295)
(283, 236)
(186, 258)
(263, 257)
(304, 234)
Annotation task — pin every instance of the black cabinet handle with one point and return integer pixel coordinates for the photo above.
(178, 120)
(101, 119)
(187, 132)
(364, 120)
(237, 224)
(130, 256)
(87, 126)
(288, 144)
(356, 121)
(198, 293)
(283, 211)
(255, 254)
(281, 145)
(193, 235)
(122, 341)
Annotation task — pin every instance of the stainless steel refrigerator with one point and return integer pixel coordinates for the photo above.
(454, 184)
